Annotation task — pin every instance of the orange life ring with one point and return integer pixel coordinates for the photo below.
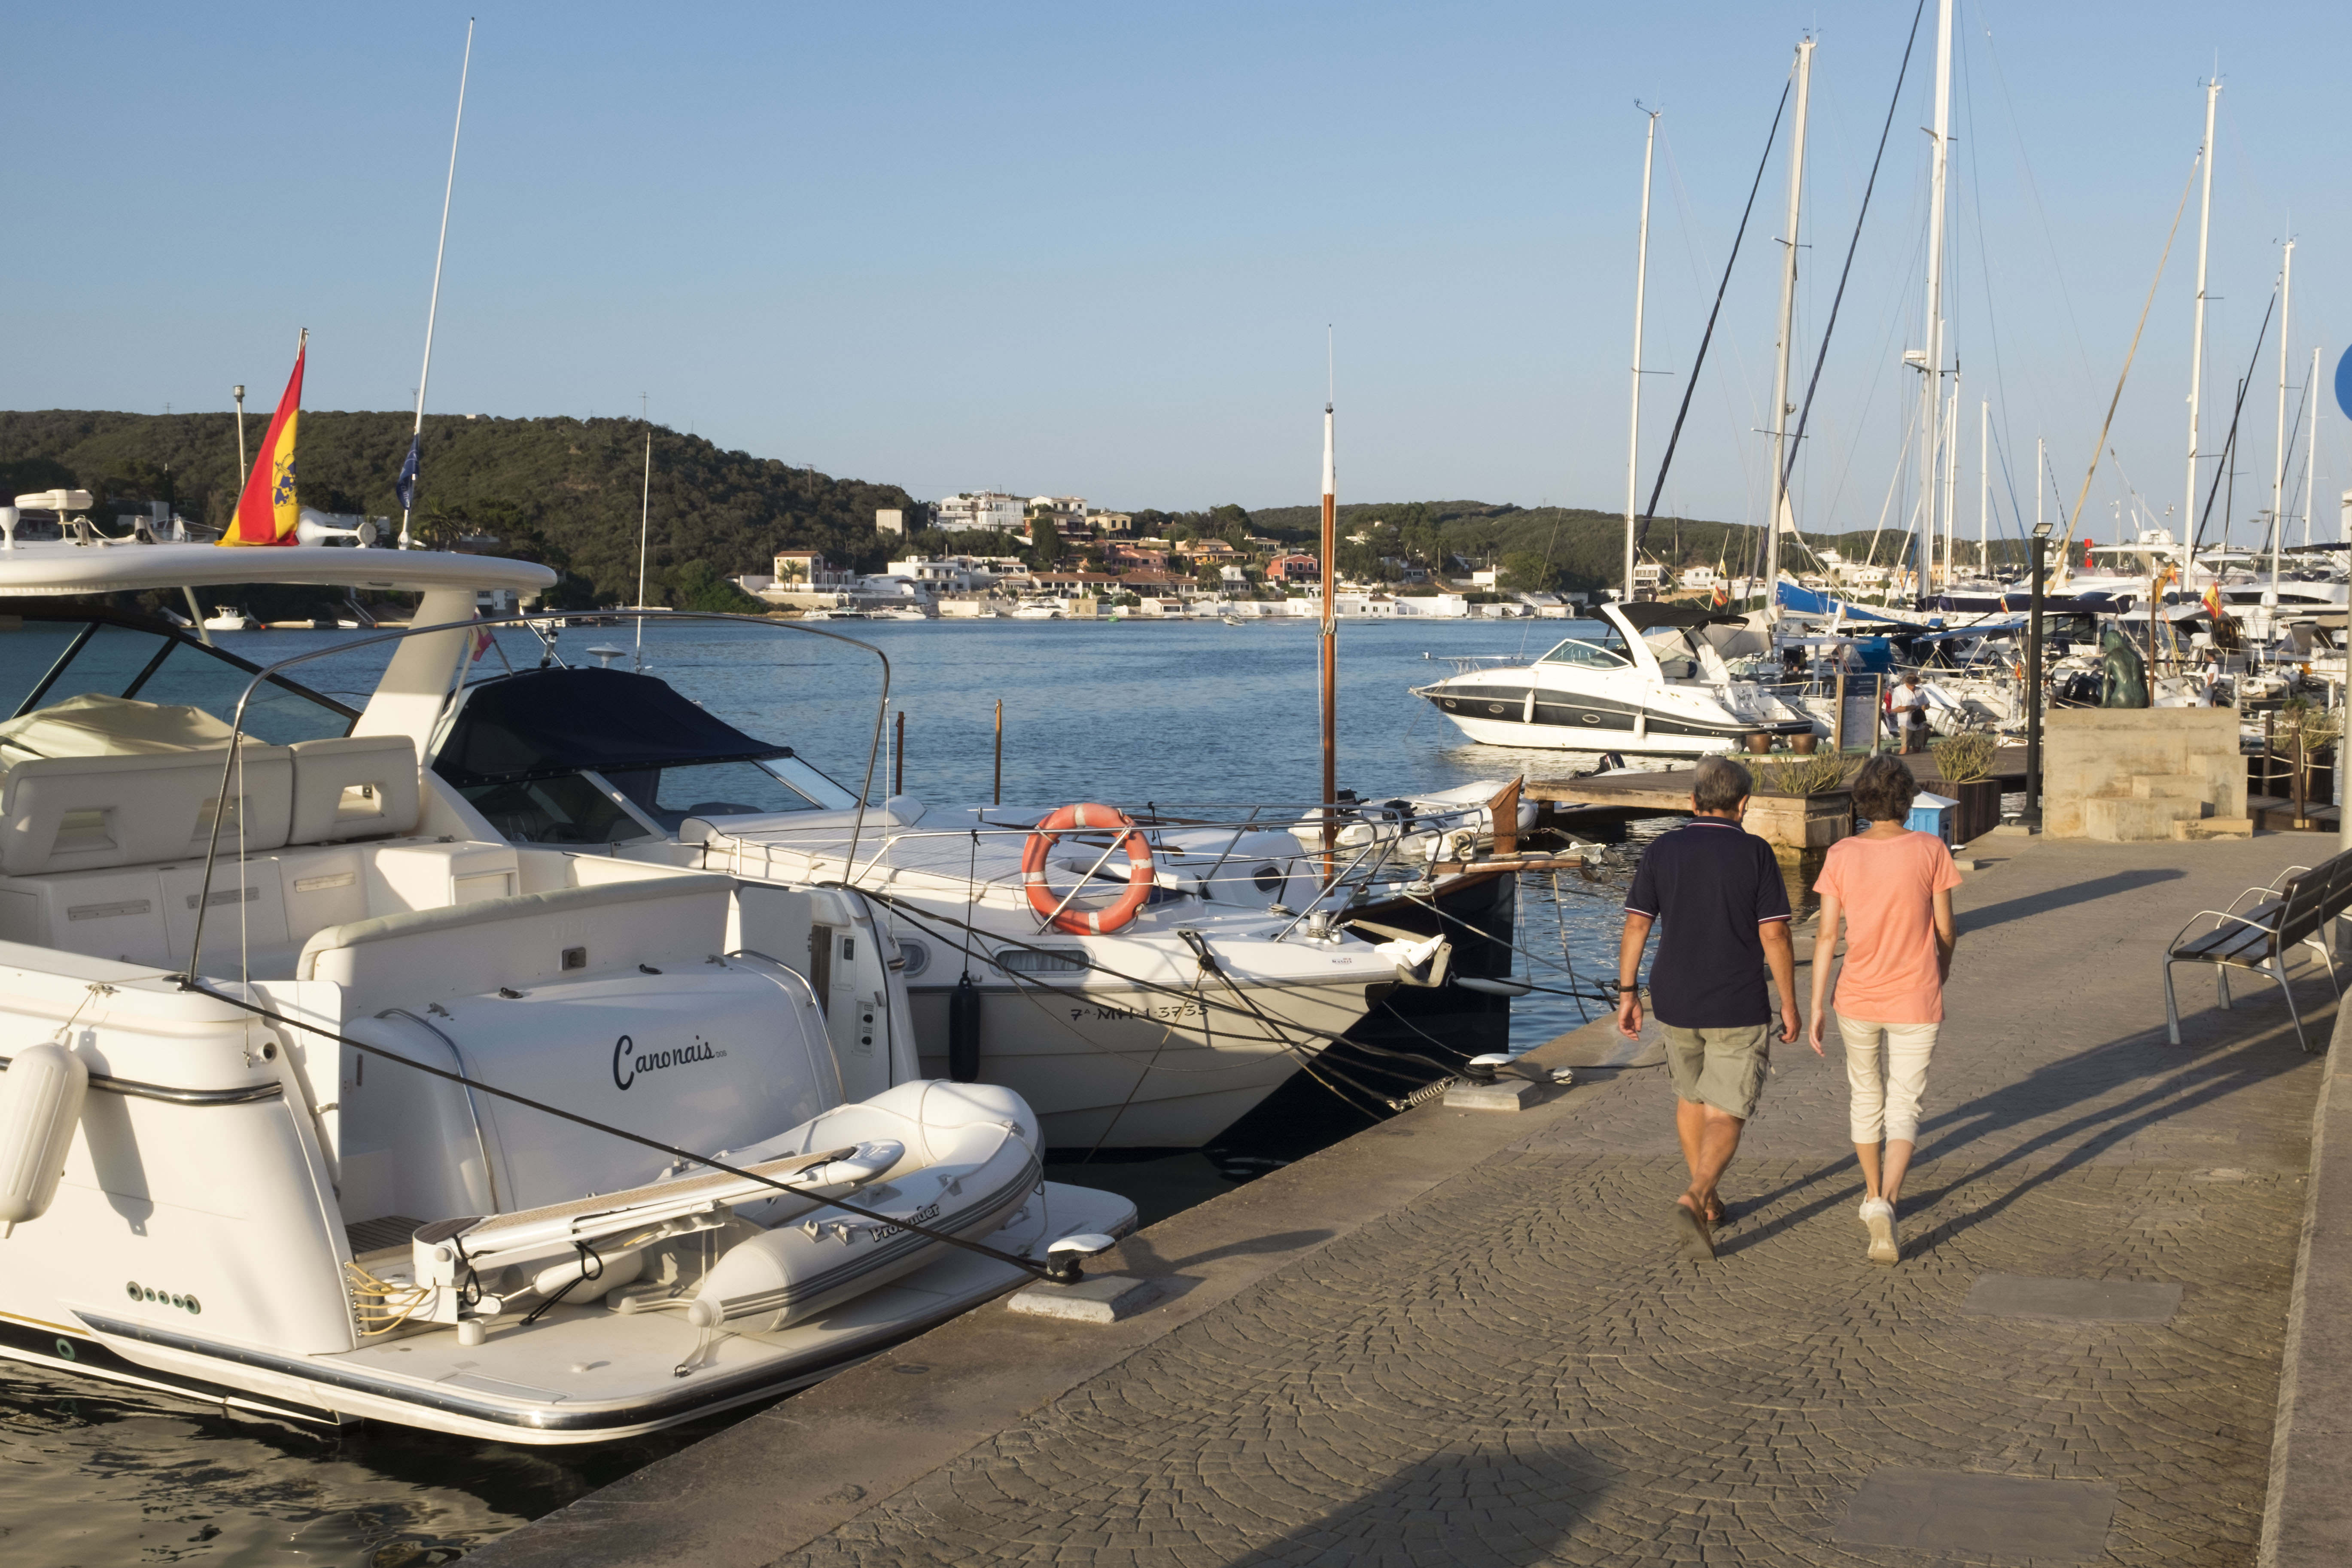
(1142, 876)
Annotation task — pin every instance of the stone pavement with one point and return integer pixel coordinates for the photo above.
(1508, 1364)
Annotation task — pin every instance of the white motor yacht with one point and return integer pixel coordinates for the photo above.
(1648, 678)
(1154, 1031)
(322, 1098)
(1037, 610)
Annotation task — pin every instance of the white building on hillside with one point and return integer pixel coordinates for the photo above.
(973, 510)
(946, 573)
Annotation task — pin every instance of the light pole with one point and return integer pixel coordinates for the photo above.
(239, 394)
(2033, 683)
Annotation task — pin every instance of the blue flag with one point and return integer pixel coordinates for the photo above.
(404, 487)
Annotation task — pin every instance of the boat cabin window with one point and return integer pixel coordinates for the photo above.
(670, 795)
(620, 805)
(1671, 645)
(46, 662)
(1600, 647)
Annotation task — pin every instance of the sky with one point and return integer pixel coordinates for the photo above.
(1096, 250)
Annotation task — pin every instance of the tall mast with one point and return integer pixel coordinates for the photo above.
(2311, 450)
(1331, 636)
(1931, 391)
(1984, 480)
(644, 527)
(2278, 461)
(1633, 432)
(2197, 348)
(1781, 408)
(1951, 471)
(433, 307)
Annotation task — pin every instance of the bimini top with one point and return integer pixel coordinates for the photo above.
(53, 567)
(1642, 614)
(545, 724)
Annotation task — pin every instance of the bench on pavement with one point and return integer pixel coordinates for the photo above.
(2291, 912)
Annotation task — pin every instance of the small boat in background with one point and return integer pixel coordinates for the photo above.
(228, 618)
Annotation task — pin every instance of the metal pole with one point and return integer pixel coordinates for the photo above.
(645, 527)
(1633, 430)
(241, 475)
(996, 794)
(1984, 484)
(2311, 450)
(2034, 684)
(1330, 651)
(2197, 348)
(1779, 509)
(898, 757)
(433, 306)
(1951, 474)
(2278, 461)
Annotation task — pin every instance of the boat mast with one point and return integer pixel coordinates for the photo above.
(645, 524)
(2278, 461)
(2197, 348)
(1951, 472)
(433, 307)
(1931, 373)
(1984, 481)
(1641, 278)
(1780, 405)
(2311, 450)
(1331, 628)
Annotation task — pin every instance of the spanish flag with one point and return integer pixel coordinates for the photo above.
(2213, 602)
(268, 512)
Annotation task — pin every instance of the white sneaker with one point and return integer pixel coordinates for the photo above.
(1878, 1218)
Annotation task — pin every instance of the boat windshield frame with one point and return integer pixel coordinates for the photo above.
(172, 639)
(1610, 644)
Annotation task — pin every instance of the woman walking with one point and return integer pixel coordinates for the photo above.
(1893, 887)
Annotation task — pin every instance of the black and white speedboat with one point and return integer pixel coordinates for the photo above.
(1643, 678)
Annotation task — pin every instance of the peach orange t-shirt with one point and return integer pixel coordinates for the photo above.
(1888, 888)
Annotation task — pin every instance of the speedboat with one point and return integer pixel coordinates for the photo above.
(229, 618)
(1141, 986)
(1036, 610)
(1643, 678)
(323, 1098)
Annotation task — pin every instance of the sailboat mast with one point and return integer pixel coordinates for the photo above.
(2197, 348)
(1931, 390)
(2278, 460)
(644, 527)
(1984, 482)
(1780, 405)
(433, 307)
(2311, 450)
(1951, 472)
(1633, 432)
(1330, 645)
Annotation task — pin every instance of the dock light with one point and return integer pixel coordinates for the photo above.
(2033, 680)
(1063, 1258)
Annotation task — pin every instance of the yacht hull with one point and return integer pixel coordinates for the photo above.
(1632, 730)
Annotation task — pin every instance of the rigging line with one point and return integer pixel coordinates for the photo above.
(1691, 385)
(2229, 446)
(2107, 423)
(1852, 244)
(190, 982)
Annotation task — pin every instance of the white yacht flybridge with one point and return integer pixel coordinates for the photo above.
(321, 1098)
(1650, 679)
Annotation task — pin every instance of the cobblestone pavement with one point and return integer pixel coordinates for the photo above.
(1519, 1369)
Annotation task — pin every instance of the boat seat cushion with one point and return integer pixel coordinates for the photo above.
(522, 939)
(353, 786)
(71, 813)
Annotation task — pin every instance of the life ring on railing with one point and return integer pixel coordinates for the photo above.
(1142, 876)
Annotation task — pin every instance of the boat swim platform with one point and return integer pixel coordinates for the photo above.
(1469, 1335)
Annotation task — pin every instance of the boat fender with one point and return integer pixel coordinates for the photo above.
(40, 1106)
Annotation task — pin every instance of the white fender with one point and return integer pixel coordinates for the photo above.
(40, 1106)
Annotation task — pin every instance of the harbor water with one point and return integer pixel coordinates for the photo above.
(1198, 718)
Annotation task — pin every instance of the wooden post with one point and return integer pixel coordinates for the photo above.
(997, 795)
(2300, 819)
(1505, 809)
(2155, 592)
(898, 780)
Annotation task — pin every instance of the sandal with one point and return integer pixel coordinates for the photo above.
(1691, 1231)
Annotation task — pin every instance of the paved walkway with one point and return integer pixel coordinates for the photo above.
(1511, 1365)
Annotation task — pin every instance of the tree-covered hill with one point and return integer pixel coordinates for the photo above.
(561, 491)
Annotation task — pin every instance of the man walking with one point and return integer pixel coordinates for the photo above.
(1717, 891)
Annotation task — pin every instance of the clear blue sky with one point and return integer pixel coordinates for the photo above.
(1093, 249)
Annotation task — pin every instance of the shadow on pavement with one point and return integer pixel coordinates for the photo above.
(2066, 897)
(1453, 1509)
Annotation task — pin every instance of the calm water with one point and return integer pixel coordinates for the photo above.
(1183, 715)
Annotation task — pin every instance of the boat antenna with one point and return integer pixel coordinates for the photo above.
(1330, 616)
(406, 484)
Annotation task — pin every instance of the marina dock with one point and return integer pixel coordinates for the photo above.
(1467, 1337)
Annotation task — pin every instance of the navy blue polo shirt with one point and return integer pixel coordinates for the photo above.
(1711, 885)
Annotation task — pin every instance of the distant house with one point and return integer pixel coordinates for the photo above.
(1130, 556)
(1294, 569)
(971, 512)
(1108, 523)
(890, 520)
(802, 570)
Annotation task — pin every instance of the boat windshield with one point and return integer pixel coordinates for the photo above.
(47, 662)
(1597, 646)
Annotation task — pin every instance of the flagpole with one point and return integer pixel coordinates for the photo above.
(416, 431)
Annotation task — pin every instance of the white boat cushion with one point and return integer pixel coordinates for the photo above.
(353, 786)
(71, 813)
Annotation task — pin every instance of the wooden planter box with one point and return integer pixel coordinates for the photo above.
(1978, 812)
(1801, 821)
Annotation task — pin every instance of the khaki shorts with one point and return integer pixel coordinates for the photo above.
(1722, 1068)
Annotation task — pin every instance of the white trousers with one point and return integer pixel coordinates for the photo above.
(1885, 1105)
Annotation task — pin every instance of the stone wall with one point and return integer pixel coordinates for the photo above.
(2134, 773)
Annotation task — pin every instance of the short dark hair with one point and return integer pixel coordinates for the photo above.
(1719, 783)
(1884, 789)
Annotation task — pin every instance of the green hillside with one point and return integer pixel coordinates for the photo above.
(561, 490)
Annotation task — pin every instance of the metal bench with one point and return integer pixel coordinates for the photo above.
(2291, 912)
